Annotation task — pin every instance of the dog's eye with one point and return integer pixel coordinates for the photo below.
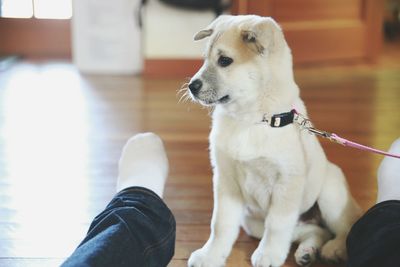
(224, 61)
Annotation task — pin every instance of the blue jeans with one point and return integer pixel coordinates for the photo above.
(135, 229)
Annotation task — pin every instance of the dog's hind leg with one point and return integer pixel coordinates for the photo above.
(311, 238)
(339, 212)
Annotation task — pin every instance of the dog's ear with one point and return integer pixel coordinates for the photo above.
(251, 39)
(263, 35)
(203, 34)
(213, 26)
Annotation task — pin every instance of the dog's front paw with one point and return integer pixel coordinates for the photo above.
(262, 258)
(204, 258)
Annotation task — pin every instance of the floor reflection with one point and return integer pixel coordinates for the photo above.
(45, 137)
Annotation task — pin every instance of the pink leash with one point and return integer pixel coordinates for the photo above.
(305, 123)
(349, 143)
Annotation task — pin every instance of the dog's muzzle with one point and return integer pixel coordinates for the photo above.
(206, 97)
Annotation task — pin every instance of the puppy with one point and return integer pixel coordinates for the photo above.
(264, 177)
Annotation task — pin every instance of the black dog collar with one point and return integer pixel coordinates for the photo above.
(280, 120)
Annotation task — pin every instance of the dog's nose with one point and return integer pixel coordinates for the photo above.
(195, 86)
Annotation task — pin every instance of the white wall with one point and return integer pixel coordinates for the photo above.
(106, 36)
(168, 31)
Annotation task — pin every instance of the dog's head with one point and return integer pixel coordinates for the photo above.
(243, 57)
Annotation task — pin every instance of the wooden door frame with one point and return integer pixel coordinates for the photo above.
(365, 35)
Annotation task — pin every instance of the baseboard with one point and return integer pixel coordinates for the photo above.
(171, 67)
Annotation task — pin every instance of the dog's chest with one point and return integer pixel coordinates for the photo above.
(261, 154)
(257, 180)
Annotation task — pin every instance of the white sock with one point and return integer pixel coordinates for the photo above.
(389, 176)
(143, 163)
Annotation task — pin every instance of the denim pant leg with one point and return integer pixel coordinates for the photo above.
(135, 229)
(374, 239)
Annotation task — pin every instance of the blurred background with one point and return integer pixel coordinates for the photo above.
(155, 37)
(79, 77)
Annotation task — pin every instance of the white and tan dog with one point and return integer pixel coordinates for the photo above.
(264, 177)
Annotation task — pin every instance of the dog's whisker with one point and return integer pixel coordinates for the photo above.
(183, 96)
(189, 98)
(185, 85)
(182, 90)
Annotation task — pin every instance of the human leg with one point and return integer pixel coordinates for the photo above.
(136, 228)
(143, 163)
(374, 239)
(389, 176)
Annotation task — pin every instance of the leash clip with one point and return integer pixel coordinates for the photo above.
(302, 121)
(325, 134)
(306, 124)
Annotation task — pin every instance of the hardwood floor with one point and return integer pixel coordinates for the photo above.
(61, 133)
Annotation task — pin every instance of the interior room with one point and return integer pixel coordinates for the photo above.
(78, 78)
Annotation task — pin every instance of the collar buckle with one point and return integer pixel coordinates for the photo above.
(302, 121)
